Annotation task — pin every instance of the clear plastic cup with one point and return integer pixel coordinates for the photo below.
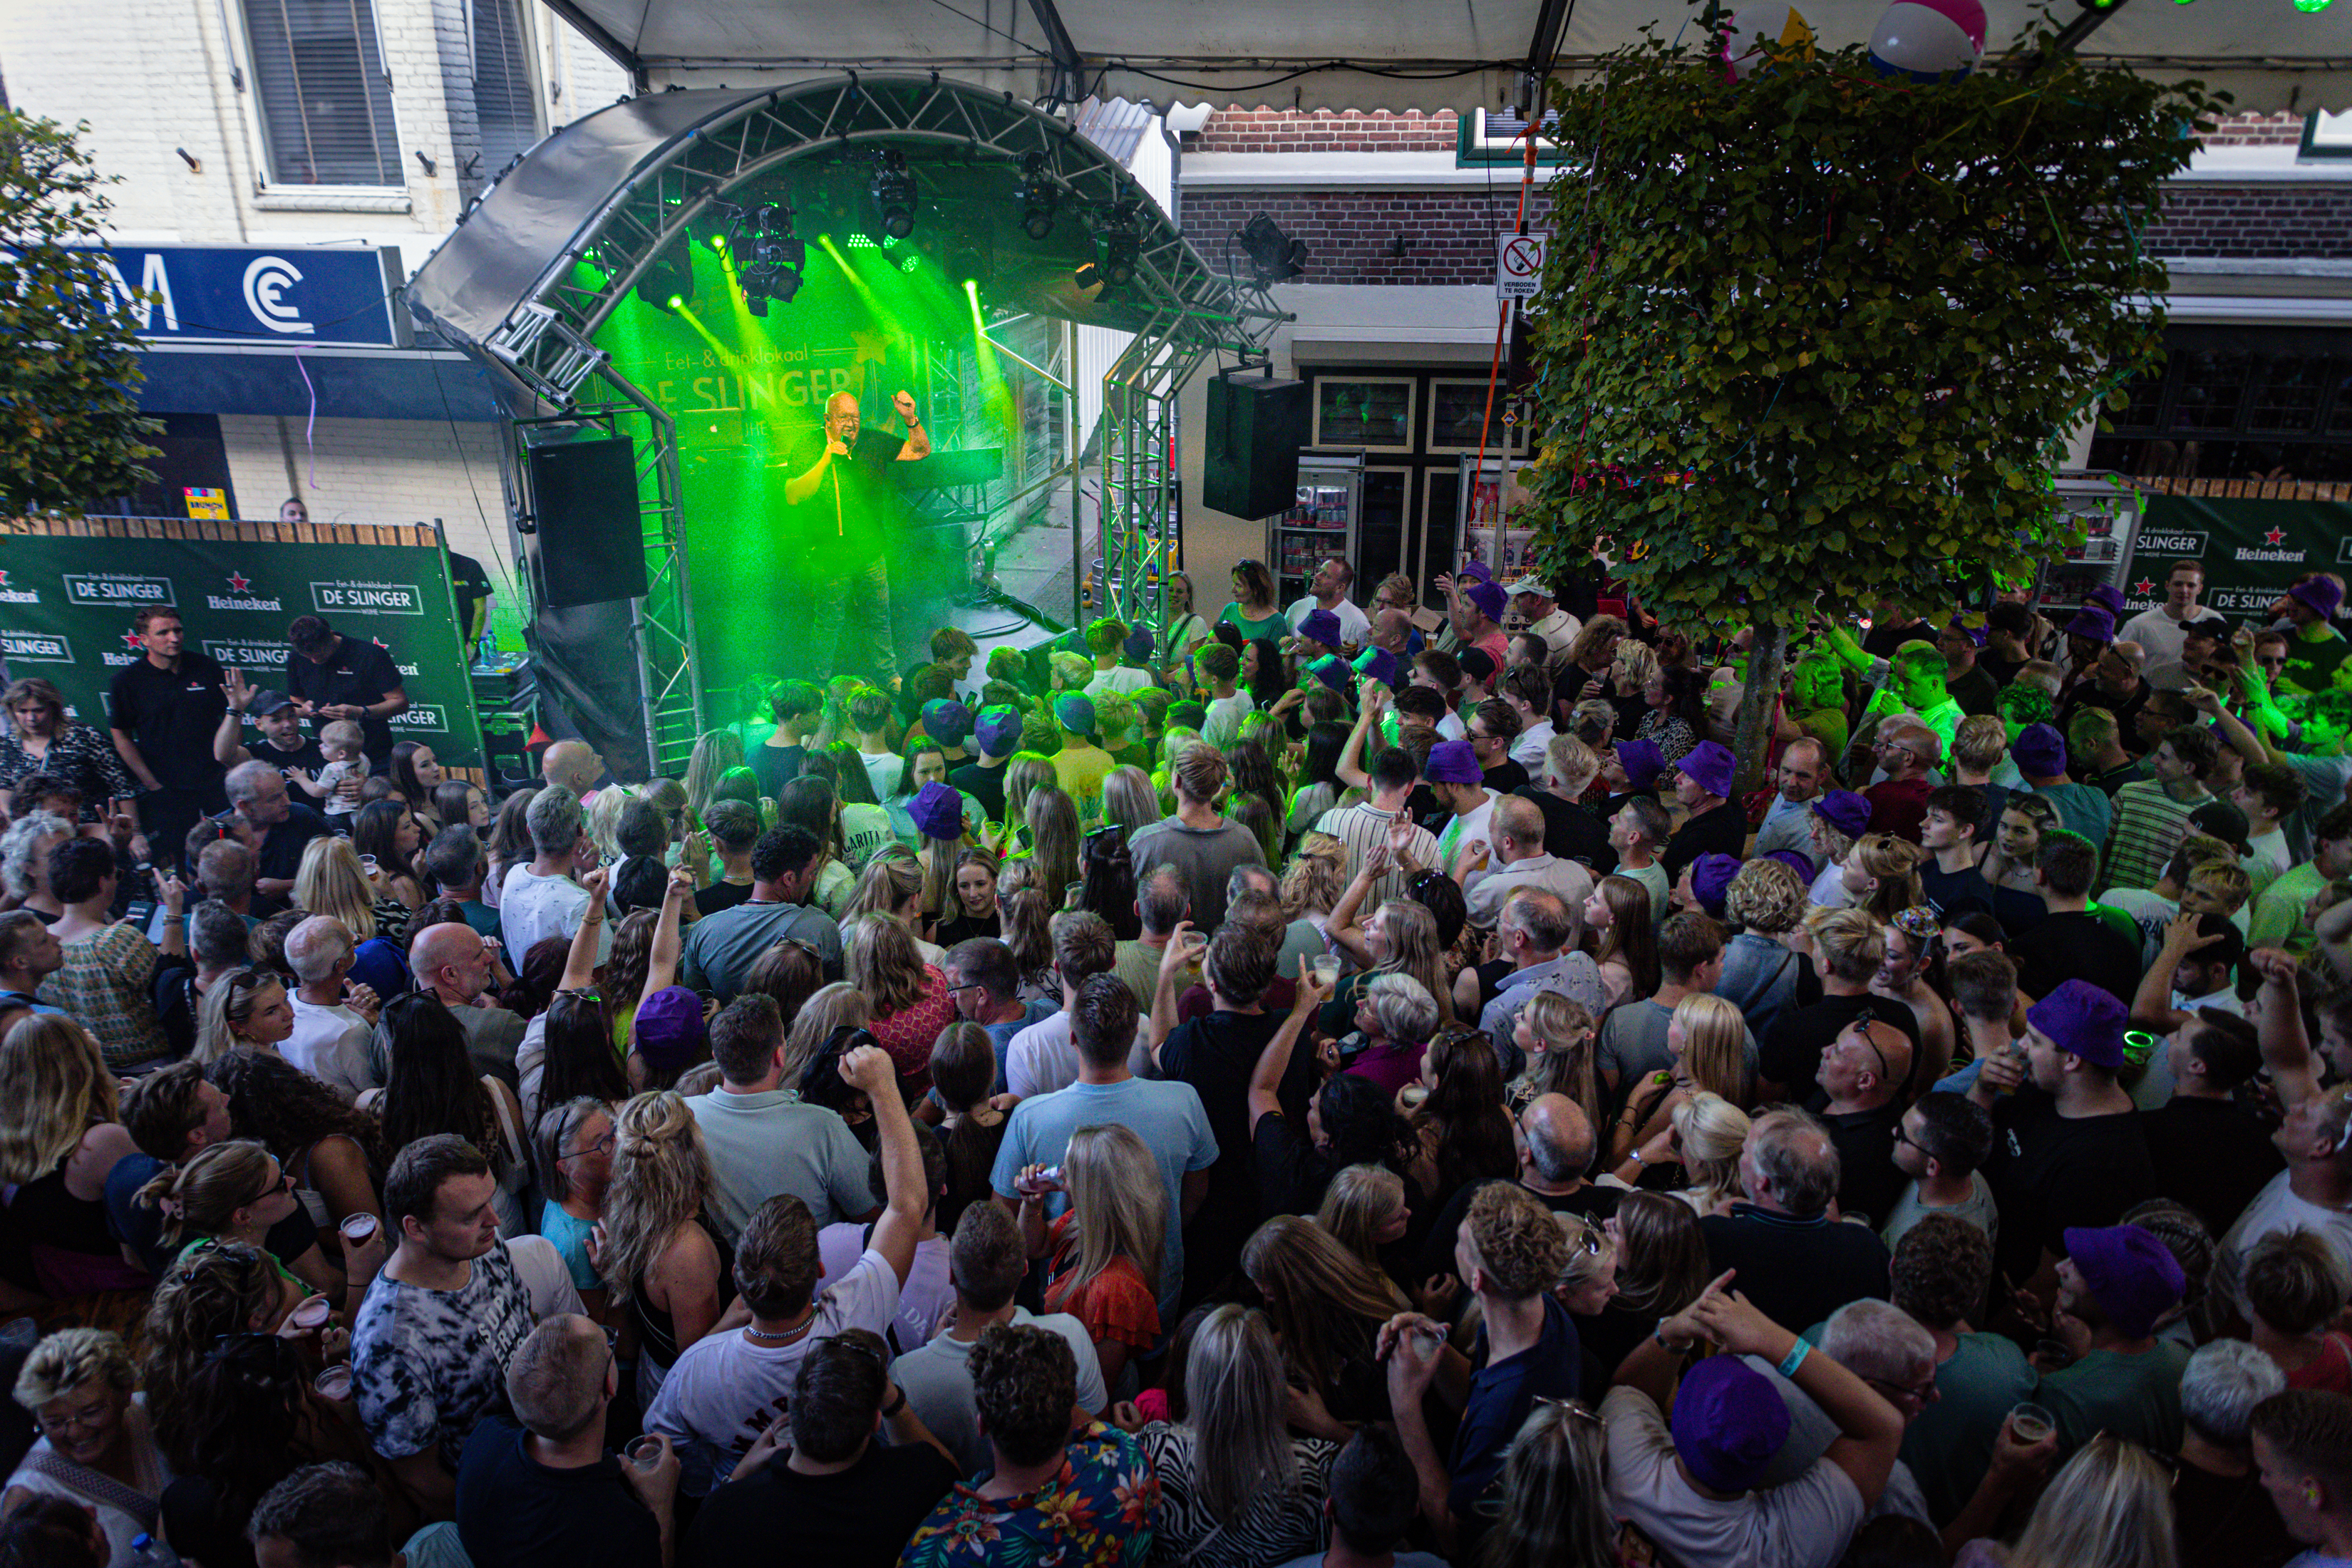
(644, 1453)
(334, 1382)
(357, 1228)
(2031, 1423)
(1327, 969)
(313, 1313)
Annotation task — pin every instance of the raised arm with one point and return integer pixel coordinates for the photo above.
(2286, 1048)
(1163, 993)
(869, 1067)
(1351, 769)
(1341, 926)
(580, 963)
(918, 443)
(2152, 1007)
(661, 962)
(1274, 1061)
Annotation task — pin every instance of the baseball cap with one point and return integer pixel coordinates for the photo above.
(1452, 762)
(2083, 1020)
(998, 731)
(1138, 645)
(265, 700)
(1074, 711)
(1476, 663)
(2133, 1276)
(1529, 585)
(1728, 1422)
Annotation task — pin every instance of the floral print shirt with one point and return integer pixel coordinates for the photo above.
(1096, 1512)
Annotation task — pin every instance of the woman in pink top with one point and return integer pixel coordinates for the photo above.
(1397, 1015)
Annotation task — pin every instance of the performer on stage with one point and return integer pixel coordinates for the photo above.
(850, 507)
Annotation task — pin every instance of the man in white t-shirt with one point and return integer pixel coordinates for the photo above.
(1454, 777)
(2158, 629)
(986, 1264)
(2269, 794)
(925, 1295)
(542, 899)
(1041, 1057)
(2315, 1192)
(1106, 641)
(329, 1040)
(726, 1389)
(1328, 590)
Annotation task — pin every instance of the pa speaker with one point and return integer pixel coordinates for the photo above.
(591, 548)
(1256, 428)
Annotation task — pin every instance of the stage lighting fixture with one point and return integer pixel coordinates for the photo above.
(1039, 194)
(667, 281)
(771, 257)
(1121, 246)
(893, 190)
(1274, 256)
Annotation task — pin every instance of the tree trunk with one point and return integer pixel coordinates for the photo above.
(1768, 655)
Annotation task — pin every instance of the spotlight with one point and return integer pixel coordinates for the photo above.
(667, 281)
(1274, 256)
(1039, 194)
(776, 257)
(893, 190)
(1121, 246)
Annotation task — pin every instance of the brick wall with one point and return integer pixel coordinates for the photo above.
(2282, 129)
(1448, 234)
(1262, 130)
(2254, 221)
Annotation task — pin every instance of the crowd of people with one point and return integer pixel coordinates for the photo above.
(1326, 1086)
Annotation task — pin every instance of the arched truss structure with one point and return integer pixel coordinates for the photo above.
(618, 188)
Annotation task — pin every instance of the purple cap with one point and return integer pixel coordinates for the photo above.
(938, 811)
(1380, 665)
(1642, 762)
(1710, 765)
(2321, 596)
(1476, 663)
(668, 1029)
(1452, 762)
(2130, 1274)
(2107, 596)
(1845, 811)
(1332, 671)
(2094, 622)
(1477, 572)
(1488, 596)
(2082, 1020)
(2038, 751)
(1975, 634)
(998, 731)
(1802, 865)
(1321, 626)
(1074, 711)
(1710, 879)
(1138, 646)
(1728, 1423)
(947, 721)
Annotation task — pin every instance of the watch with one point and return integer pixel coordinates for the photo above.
(895, 1406)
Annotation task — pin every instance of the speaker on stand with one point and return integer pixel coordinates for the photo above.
(584, 501)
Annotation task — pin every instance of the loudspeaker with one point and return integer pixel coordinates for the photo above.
(1256, 428)
(591, 547)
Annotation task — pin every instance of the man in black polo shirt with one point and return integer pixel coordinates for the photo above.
(849, 511)
(162, 711)
(330, 676)
(281, 828)
(1794, 1264)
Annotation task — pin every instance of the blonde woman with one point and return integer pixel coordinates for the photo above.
(1313, 881)
(1024, 773)
(331, 881)
(1128, 800)
(658, 1253)
(715, 752)
(59, 1140)
(1105, 1247)
(2109, 1507)
(1705, 1137)
(1707, 1040)
(830, 1007)
(893, 883)
(1398, 937)
(1555, 1503)
(1555, 1033)
(604, 821)
(1364, 1209)
(235, 1192)
(1185, 631)
(909, 994)
(249, 1008)
(97, 1449)
(1052, 837)
(1326, 1307)
(1588, 1280)
(1237, 1490)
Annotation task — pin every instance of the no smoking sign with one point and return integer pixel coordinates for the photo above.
(1518, 266)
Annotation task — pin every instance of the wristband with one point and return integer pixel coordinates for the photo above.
(1796, 1357)
(895, 1406)
(1636, 1157)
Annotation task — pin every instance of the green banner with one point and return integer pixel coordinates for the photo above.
(66, 604)
(2250, 550)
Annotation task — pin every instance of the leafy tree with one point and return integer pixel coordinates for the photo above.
(69, 423)
(1814, 339)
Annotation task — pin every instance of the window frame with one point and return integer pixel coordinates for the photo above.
(268, 190)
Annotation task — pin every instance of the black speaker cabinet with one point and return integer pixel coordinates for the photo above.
(1256, 425)
(591, 545)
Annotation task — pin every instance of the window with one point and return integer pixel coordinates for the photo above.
(504, 112)
(325, 100)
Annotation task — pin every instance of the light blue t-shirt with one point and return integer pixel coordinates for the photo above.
(570, 1239)
(1167, 1116)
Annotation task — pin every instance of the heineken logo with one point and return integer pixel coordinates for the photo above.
(367, 598)
(117, 588)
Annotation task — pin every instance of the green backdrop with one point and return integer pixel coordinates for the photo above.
(66, 604)
(2250, 550)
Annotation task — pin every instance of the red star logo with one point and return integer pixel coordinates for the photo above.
(238, 582)
(131, 640)
(381, 644)
(2144, 586)
(2275, 536)
(3, 578)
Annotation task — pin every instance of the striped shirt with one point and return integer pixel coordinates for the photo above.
(2149, 825)
(1364, 826)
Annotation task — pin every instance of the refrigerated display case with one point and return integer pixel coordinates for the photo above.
(1488, 503)
(1323, 522)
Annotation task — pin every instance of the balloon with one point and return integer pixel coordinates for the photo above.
(1780, 25)
(1930, 41)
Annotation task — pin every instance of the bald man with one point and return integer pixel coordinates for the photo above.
(455, 963)
(848, 504)
(1556, 1145)
(1861, 1078)
(571, 765)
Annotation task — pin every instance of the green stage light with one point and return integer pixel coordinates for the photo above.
(674, 301)
(718, 243)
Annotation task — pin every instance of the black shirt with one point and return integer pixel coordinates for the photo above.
(1795, 1271)
(305, 758)
(860, 1518)
(1869, 1185)
(470, 586)
(171, 715)
(1723, 830)
(1216, 1055)
(282, 855)
(857, 502)
(2076, 946)
(519, 1513)
(720, 896)
(2210, 1156)
(1883, 638)
(1594, 1202)
(1573, 833)
(2227, 1521)
(961, 927)
(1974, 691)
(356, 672)
(776, 766)
(2049, 1173)
(1790, 1052)
(1952, 893)
(1506, 777)
(986, 786)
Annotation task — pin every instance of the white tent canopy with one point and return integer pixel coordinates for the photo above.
(1370, 54)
